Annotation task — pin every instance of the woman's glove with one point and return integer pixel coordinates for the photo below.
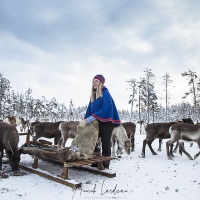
(89, 119)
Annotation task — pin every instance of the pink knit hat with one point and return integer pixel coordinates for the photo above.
(100, 77)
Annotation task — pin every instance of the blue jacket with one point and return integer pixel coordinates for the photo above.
(103, 108)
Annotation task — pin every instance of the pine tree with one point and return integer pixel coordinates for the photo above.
(193, 90)
(167, 84)
(132, 87)
(4, 91)
(148, 95)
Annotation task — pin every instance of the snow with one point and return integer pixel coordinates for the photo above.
(154, 177)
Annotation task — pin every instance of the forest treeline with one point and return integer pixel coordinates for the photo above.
(143, 102)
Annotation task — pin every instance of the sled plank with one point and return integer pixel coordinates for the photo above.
(71, 183)
(93, 170)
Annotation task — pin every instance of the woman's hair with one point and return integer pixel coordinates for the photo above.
(98, 92)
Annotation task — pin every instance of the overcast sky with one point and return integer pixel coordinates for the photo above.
(55, 47)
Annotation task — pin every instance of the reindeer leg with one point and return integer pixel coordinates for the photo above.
(35, 138)
(171, 150)
(185, 152)
(1, 157)
(176, 147)
(160, 142)
(113, 147)
(132, 142)
(180, 151)
(119, 149)
(150, 147)
(56, 139)
(198, 142)
(168, 143)
(143, 148)
(60, 142)
(64, 142)
(197, 155)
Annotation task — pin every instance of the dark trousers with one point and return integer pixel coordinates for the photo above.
(105, 132)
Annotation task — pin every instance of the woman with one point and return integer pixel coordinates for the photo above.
(102, 108)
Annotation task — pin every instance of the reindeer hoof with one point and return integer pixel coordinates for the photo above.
(195, 156)
(100, 166)
(4, 176)
(142, 156)
(154, 153)
(170, 158)
(159, 149)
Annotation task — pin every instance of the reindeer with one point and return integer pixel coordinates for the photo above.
(183, 133)
(47, 130)
(9, 140)
(31, 126)
(159, 130)
(119, 134)
(68, 129)
(13, 121)
(153, 131)
(130, 128)
(24, 124)
(142, 125)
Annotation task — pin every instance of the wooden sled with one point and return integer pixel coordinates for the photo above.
(63, 178)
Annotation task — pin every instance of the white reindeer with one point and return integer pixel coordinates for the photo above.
(119, 135)
(13, 121)
(68, 129)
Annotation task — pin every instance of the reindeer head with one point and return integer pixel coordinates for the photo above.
(127, 146)
(10, 120)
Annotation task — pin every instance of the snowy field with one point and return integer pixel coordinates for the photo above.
(152, 178)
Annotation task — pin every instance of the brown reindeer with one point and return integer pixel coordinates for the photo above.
(130, 128)
(153, 131)
(9, 140)
(47, 130)
(161, 131)
(31, 125)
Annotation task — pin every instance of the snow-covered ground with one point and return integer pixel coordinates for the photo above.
(152, 178)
